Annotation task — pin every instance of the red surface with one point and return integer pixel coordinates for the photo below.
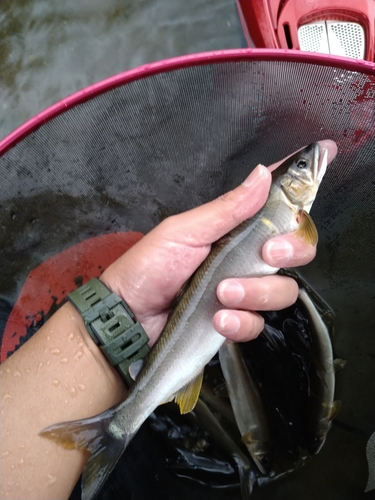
(51, 281)
(257, 23)
(263, 21)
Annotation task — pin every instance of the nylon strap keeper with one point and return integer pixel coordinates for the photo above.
(111, 324)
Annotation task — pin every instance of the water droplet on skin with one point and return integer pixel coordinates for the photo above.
(71, 336)
(51, 480)
(40, 365)
(73, 392)
(55, 382)
(64, 361)
(16, 373)
(31, 407)
(21, 462)
(5, 453)
(82, 387)
(8, 397)
(48, 338)
(48, 363)
(27, 370)
(78, 355)
(55, 351)
(66, 401)
(80, 344)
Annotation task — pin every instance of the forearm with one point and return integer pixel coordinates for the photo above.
(59, 374)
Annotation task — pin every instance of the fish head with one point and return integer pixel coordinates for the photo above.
(300, 175)
(260, 452)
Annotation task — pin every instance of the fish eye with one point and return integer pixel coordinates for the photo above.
(301, 163)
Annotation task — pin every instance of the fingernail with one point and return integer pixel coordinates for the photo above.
(229, 323)
(256, 176)
(278, 253)
(230, 293)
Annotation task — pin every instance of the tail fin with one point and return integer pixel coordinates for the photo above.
(95, 436)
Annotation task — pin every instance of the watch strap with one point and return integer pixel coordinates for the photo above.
(112, 325)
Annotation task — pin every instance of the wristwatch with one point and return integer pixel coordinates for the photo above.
(112, 325)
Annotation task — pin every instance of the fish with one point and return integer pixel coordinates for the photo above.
(173, 370)
(248, 407)
(210, 423)
(219, 403)
(323, 408)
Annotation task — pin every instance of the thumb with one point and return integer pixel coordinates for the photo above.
(207, 223)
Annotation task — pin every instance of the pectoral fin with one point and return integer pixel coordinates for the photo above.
(334, 410)
(187, 397)
(339, 364)
(307, 230)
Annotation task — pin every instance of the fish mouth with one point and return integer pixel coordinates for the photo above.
(320, 165)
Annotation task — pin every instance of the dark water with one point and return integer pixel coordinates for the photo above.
(49, 49)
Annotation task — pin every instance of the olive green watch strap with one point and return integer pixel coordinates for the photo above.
(112, 325)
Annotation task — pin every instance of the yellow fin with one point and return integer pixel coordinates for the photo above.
(187, 397)
(307, 230)
(334, 410)
(339, 364)
(247, 439)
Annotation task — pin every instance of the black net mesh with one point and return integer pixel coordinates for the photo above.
(131, 156)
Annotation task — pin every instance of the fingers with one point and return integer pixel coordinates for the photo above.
(209, 222)
(269, 293)
(243, 296)
(238, 326)
(287, 251)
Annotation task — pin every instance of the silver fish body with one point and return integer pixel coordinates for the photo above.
(210, 423)
(174, 367)
(248, 407)
(189, 340)
(324, 408)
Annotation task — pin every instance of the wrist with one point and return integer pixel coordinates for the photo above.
(111, 325)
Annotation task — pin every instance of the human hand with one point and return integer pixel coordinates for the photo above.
(150, 274)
